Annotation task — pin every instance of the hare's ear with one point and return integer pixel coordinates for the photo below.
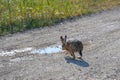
(65, 38)
(62, 39)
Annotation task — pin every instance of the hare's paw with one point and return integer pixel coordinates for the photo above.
(79, 57)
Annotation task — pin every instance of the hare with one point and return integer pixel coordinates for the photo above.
(72, 46)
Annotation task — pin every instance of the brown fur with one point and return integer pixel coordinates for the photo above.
(72, 46)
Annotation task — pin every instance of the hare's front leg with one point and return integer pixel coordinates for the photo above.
(72, 54)
(67, 52)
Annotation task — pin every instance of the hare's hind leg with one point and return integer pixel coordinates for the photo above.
(80, 52)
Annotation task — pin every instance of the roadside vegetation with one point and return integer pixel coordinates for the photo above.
(20, 15)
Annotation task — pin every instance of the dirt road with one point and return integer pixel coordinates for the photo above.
(100, 34)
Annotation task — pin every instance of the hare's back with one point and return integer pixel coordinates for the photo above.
(76, 45)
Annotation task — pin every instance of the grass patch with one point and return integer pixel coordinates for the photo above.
(19, 15)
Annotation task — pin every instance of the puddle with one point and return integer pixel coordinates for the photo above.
(48, 50)
(12, 52)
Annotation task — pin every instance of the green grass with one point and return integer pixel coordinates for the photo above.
(19, 15)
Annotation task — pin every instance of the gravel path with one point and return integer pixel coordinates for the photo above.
(100, 34)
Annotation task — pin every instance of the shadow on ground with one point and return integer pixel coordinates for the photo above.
(79, 62)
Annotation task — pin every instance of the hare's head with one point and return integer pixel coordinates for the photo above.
(64, 43)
